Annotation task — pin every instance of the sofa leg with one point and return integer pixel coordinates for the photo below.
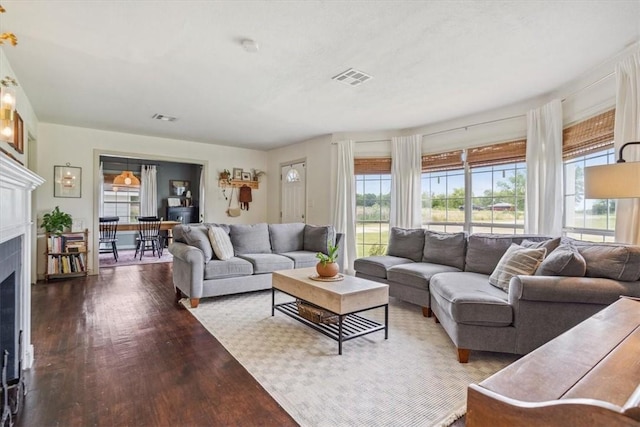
(194, 302)
(426, 311)
(179, 295)
(463, 355)
(435, 317)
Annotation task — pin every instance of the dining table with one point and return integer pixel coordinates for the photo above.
(164, 226)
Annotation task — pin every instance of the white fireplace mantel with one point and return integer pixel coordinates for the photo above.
(16, 186)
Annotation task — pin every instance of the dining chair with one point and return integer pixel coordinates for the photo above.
(149, 236)
(108, 238)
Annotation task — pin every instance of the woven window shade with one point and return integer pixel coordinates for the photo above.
(496, 154)
(372, 166)
(588, 136)
(442, 161)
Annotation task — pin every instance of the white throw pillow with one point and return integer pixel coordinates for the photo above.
(220, 242)
(516, 261)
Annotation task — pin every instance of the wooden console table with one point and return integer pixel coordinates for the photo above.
(589, 375)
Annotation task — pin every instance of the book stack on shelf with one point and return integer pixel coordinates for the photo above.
(66, 254)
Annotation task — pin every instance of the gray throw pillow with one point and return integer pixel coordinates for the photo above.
(286, 237)
(406, 243)
(550, 245)
(445, 248)
(250, 239)
(318, 237)
(565, 260)
(516, 261)
(196, 236)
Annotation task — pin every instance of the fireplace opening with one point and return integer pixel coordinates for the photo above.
(9, 328)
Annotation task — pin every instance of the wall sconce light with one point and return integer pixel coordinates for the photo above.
(620, 180)
(7, 108)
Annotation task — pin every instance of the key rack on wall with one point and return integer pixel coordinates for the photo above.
(237, 183)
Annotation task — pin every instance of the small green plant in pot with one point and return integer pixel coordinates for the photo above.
(56, 221)
(328, 267)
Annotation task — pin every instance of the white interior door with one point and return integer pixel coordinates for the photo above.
(292, 178)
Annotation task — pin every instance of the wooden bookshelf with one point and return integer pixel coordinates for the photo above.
(66, 255)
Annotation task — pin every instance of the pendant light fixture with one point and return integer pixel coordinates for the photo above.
(126, 179)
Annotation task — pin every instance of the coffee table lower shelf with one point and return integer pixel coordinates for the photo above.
(349, 326)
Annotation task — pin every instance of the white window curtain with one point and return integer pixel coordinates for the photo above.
(344, 214)
(543, 201)
(627, 129)
(148, 191)
(406, 171)
(201, 194)
(101, 191)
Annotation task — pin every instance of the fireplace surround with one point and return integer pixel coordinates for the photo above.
(17, 231)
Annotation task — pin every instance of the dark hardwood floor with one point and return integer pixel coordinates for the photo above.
(115, 350)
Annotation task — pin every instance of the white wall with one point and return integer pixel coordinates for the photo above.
(80, 147)
(319, 155)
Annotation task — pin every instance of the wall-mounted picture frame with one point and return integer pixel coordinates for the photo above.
(179, 188)
(67, 181)
(237, 173)
(173, 202)
(246, 176)
(18, 133)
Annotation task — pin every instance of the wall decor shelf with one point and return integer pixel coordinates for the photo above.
(66, 255)
(237, 183)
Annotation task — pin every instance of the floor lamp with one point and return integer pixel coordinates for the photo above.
(620, 180)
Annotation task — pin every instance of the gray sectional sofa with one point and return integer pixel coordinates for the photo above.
(258, 250)
(449, 274)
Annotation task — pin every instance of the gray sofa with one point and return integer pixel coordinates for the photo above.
(449, 274)
(258, 249)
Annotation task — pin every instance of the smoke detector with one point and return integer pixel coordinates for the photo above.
(250, 46)
(164, 118)
(352, 77)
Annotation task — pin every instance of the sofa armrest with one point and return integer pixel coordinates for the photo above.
(188, 269)
(586, 290)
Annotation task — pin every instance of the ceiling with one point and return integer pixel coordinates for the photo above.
(112, 65)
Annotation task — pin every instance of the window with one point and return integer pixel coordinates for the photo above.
(443, 196)
(373, 201)
(121, 202)
(587, 219)
(584, 144)
(497, 199)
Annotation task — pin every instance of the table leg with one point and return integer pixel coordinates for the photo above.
(340, 334)
(386, 321)
(273, 302)
(169, 236)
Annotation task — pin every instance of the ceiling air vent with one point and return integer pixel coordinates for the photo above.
(352, 77)
(164, 118)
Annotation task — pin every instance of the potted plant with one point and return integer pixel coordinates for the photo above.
(56, 221)
(225, 175)
(328, 267)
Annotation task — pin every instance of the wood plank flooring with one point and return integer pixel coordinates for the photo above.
(115, 350)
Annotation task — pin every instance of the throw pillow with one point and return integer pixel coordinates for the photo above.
(565, 260)
(196, 236)
(550, 245)
(516, 261)
(220, 242)
(406, 243)
(317, 238)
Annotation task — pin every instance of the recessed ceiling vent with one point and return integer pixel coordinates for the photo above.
(164, 118)
(352, 77)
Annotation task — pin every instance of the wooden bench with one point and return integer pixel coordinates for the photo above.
(589, 375)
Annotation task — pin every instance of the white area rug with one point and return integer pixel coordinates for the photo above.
(413, 378)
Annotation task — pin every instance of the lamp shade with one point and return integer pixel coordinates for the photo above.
(615, 181)
(126, 179)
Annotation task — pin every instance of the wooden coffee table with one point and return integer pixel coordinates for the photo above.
(343, 298)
